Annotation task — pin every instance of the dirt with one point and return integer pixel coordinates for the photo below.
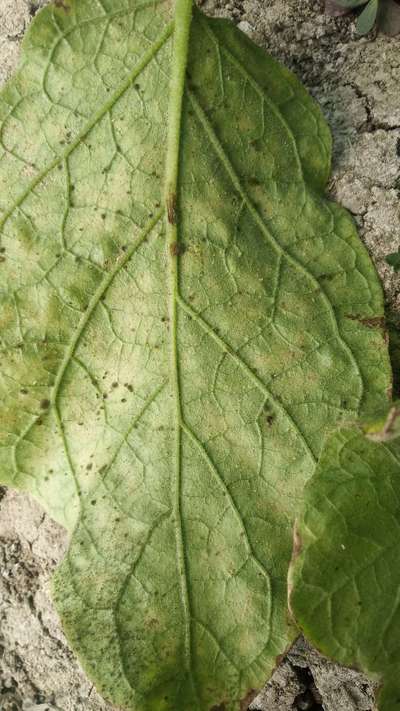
(356, 82)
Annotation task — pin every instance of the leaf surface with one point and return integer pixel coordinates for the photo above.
(166, 401)
(345, 576)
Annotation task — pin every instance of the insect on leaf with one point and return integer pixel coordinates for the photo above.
(345, 575)
(183, 317)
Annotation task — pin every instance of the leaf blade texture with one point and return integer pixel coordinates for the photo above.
(173, 591)
(345, 575)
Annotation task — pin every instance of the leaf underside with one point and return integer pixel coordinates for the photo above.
(345, 579)
(173, 591)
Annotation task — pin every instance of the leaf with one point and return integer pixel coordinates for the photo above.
(389, 17)
(393, 260)
(366, 20)
(167, 383)
(345, 576)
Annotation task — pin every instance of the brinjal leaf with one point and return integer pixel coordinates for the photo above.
(366, 20)
(183, 317)
(389, 17)
(345, 574)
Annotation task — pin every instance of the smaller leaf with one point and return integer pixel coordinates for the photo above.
(393, 260)
(367, 18)
(389, 17)
(345, 573)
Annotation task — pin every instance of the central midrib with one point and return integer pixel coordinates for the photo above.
(182, 24)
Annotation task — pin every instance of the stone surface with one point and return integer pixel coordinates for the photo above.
(356, 82)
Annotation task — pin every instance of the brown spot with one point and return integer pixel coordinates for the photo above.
(176, 249)
(297, 542)
(246, 701)
(372, 322)
(218, 707)
(45, 404)
(62, 5)
(171, 209)
(270, 420)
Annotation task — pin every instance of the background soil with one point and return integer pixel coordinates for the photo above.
(356, 82)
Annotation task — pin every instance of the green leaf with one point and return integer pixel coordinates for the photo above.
(366, 20)
(393, 260)
(389, 17)
(345, 575)
(166, 383)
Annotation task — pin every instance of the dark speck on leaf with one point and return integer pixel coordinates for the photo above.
(45, 404)
(62, 5)
(114, 385)
(24, 391)
(177, 248)
(93, 502)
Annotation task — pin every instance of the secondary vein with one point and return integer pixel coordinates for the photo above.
(268, 234)
(145, 60)
(100, 291)
(260, 385)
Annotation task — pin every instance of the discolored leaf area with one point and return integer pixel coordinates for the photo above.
(173, 353)
(345, 575)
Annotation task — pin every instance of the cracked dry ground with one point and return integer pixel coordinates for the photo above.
(356, 82)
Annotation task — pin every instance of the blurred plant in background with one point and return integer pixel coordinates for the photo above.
(384, 14)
